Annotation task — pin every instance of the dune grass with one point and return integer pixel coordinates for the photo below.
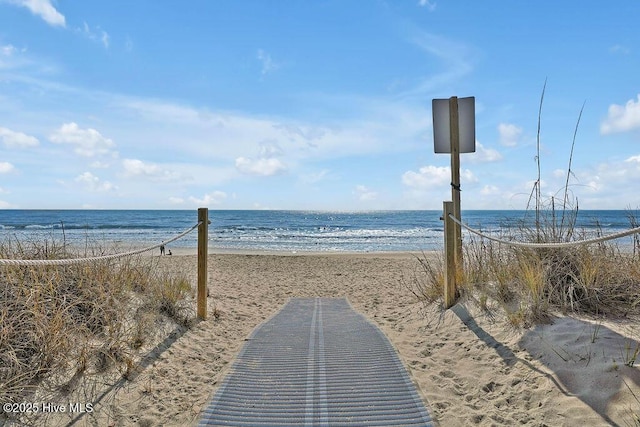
(530, 283)
(67, 329)
(598, 279)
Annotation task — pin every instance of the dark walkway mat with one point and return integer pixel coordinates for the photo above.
(317, 363)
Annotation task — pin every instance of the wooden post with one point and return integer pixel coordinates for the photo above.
(450, 257)
(455, 174)
(203, 248)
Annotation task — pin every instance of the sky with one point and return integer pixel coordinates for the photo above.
(314, 105)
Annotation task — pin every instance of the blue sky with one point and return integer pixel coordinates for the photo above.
(313, 105)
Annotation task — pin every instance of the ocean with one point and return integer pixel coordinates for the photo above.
(273, 230)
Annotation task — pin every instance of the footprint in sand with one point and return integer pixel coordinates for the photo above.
(425, 353)
(490, 387)
(447, 374)
(416, 364)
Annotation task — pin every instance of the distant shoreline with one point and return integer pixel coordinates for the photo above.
(181, 251)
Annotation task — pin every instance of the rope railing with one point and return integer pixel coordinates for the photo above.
(453, 248)
(556, 245)
(70, 261)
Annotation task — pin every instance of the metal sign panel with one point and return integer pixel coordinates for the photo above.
(466, 125)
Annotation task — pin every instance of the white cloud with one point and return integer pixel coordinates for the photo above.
(509, 134)
(595, 185)
(100, 165)
(221, 135)
(489, 190)
(266, 164)
(261, 167)
(303, 131)
(97, 35)
(134, 167)
(622, 118)
(434, 176)
(176, 200)
(365, 194)
(268, 65)
(6, 167)
(314, 177)
(176, 114)
(138, 168)
(87, 142)
(268, 150)
(431, 5)
(483, 155)
(44, 9)
(12, 58)
(427, 176)
(93, 183)
(8, 50)
(12, 139)
(214, 198)
(606, 186)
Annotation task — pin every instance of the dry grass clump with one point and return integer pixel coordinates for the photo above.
(67, 327)
(529, 284)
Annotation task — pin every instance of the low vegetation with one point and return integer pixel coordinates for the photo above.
(69, 329)
(529, 283)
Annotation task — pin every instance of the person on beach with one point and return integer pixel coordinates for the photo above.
(161, 250)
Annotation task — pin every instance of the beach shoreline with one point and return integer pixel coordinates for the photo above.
(471, 368)
(115, 247)
(219, 251)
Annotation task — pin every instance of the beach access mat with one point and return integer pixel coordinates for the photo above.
(317, 362)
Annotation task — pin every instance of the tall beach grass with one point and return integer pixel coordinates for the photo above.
(70, 330)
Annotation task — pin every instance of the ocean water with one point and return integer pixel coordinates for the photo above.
(274, 230)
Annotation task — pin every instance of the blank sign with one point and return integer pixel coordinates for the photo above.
(466, 125)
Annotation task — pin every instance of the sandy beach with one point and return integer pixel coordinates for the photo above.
(471, 368)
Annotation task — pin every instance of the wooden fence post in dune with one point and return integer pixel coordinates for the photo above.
(203, 248)
(451, 268)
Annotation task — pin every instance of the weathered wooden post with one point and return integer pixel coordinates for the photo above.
(451, 267)
(203, 249)
(453, 132)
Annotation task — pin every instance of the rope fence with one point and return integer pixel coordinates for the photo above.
(203, 239)
(556, 245)
(70, 261)
(453, 248)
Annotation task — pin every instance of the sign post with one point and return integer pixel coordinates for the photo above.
(454, 133)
